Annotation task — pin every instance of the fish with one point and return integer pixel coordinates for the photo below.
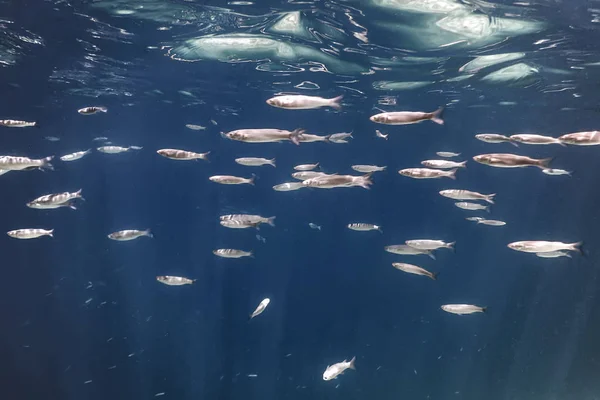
(231, 180)
(503, 160)
(232, 253)
(13, 123)
(182, 155)
(314, 226)
(30, 233)
(591, 138)
(52, 139)
(495, 138)
(243, 221)
(413, 269)
(556, 171)
(463, 309)
(308, 138)
(50, 201)
(491, 222)
(368, 168)
(116, 149)
(406, 250)
(447, 154)
(304, 175)
(430, 244)
(255, 161)
(195, 127)
(261, 307)
(301, 102)
(460, 194)
(288, 186)
(75, 156)
(129, 234)
(381, 135)
(535, 139)
(474, 219)
(306, 167)
(541, 246)
(362, 227)
(554, 254)
(426, 173)
(100, 139)
(266, 135)
(443, 164)
(337, 181)
(174, 280)
(92, 110)
(333, 371)
(340, 137)
(472, 206)
(408, 117)
(11, 163)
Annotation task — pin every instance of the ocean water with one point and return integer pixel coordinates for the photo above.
(83, 317)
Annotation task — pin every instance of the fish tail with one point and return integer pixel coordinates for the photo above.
(252, 179)
(380, 229)
(36, 124)
(366, 181)
(484, 309)
(434, 275)
(351, 364)
(487, 210)
(148, 233)
(46, 163)
(437, 115)
(251, 254)
(296, 135)
(51, 233)
(336, 102)
(545, 162)
(463, 164)
(490, 198)
(272, 163)
(578, 247)
(78, 194)
(271, 221)
(204, 156)
(451, 246)
(103, 109)
(452, 173)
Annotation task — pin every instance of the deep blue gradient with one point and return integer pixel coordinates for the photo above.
(79, 307)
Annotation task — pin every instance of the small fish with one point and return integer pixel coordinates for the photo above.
(381, 135)
(362, 227)
(408, 117)
(301, 102)
(368, 168)
(243, 221)
(255, 162)
(304, 175)
(92, 110)
(494, 138)
(232, 253)
(462, 309)
(51, 201)
(182, 155)
(554, 254)
(129, 234)
(306, 167)
(447, 154)
(413, 269)
(333, 371)
(13, 123)
(100, 139)
(75, 156)
(474, 219)
(491, 222)
(52, 139)
(541, 246)
(261, 239)
(426, 173)
(308, 138)
(429, 244)
(265, 135)
(459, 194)
(340, 137)
(174, 280)
(288, 186)
(231, 180)
(30, 233)
(406, 250)
(556, 171)
(535, 139)
(443, 164)
(338, 181)
(472, 206)
(591, 138)
(261, 307)
(314, 226)
(195, 127)
(501, 160)
(11, 163)
(116, 149)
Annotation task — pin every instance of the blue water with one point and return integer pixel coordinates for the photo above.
(83, 317)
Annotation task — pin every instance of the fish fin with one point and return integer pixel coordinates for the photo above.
(78, 194)
(513, 143)
(436, 116)
(148, 233)
(578, 247)
(545, 162)
(452, 173)
(366, 181)
(490, 198)
(451, 246)
(46, 163)
(252, 179)
(51, 233)
(380, 229)
(271, 221)
(351, 365)
(103, 109)
(435, 275)
(487, 209)
(484, 309)
(336, 102)
(272, 163)
(463, 164)
(296, 135)
(431, 255)
(251, 255)
(71, 206)
(328, 139)
(205, 156)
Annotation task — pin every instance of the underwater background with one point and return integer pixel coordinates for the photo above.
(83, 317)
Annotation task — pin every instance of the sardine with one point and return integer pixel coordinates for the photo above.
(472, 206)
(430, 244)
(406, 250)
(174, 280)
(50, 201)
(337, 181)
(368, 168)
(13, 123)
(288, 186)
(301, 102)
(459, 194)
(426, 173)
(591, 138)
(340, 137)
(554, 254)
(11, 163)
(306, 167)
(232, 253)
(362, 227)
(491, 222)
(92, 110)
(556, 171)
(443, 164)
(182, 155)
(413, 269)
(503, 160)
(255, 161)
(541, 246)
(261, 307)
(463, 309)
(304, 175)
(116, 149)
(535, 139)
(30, 233)
(231, 180)
(447, 154)
(265, 135)
(381, 135)
(494, 138)
(333, 371)
(129, 234)
(408, 117)
(75, 156)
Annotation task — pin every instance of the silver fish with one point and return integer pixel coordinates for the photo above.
(182, 155)
(306, 167)
(534, 139)
(368, 168)
(50, 201)
(288, 186)
(92, 110)
(459, 194)
(266, 135)
(472, 206)
(462, 309)
(426, 173)
(591, 138)
(556, 171)
(541, 246)
(75, 156)
(408, 117)
(129, 234)
(314, 226)
(174, 280)
(474, 219)
(381, 135)
(554, 254)
(491, 222)
(308, 138)
(304, 175)
(261, 307)
(360, 226)
(406, 250)
(11, 163)
(337, 181)
(13, 123)
(116, 149)
(243, 221)
(502, 160)
(255, 161)
(195, 127)
(413, 269)
(232, 253)
(30, 233)
(447, 154)
(443, 164)
(335, 370)
(300, 102)
(429, 244)
(100, 139)
(231, 180)
(340, 137)
(494, 138)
